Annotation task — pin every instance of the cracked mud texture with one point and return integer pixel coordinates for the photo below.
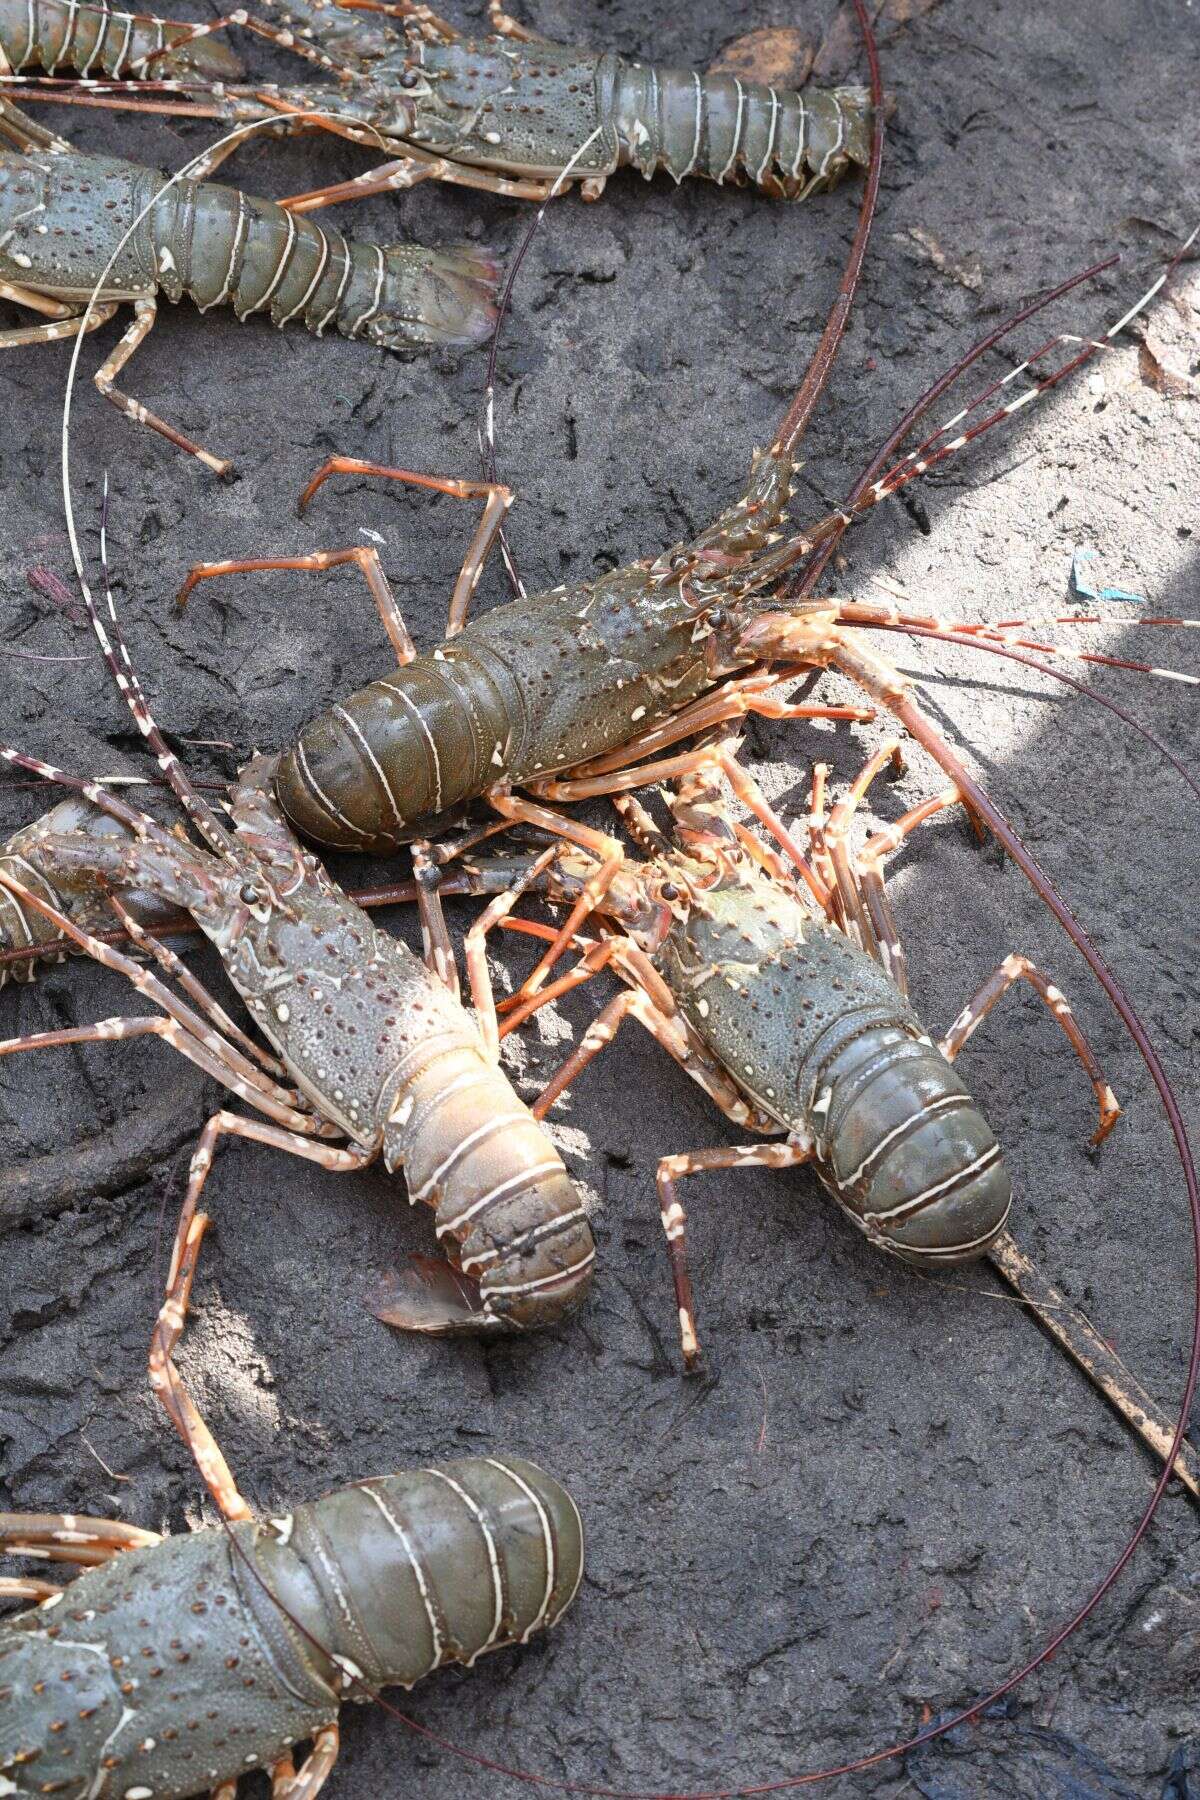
(888, 1489)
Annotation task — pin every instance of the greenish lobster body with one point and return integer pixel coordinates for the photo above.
(819, 1038)
(173, 1668)
(63, 216)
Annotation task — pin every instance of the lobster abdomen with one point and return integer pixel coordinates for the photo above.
(821, 1039)
(473, 1150)
(725, 129)
(94, 40)
(176, 1667)
(905, 1151)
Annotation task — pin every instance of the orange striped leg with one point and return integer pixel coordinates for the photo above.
(858, 923)
(54, 329)
(817, 847)
(315, 1770)
(165, 1379)
(671, 1032)
(406, 172)
(145, 311)
(364, 557)
(436, 947)
(610, 856)
(483, 997)
(14, 1587)
(674, 1220)
(1019, 968)
(70, 1537)
(746, 694)
(868, 870)
(497, 500)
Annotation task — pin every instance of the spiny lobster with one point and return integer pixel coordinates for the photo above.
(81, 235)
(512, 113)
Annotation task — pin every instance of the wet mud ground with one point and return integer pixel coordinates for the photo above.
(888, 1489)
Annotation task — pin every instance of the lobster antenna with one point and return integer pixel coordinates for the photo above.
(198, 811)
(795, 420)
(487, 436)
(872, 488)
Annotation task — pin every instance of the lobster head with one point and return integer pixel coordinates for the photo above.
(519, 109)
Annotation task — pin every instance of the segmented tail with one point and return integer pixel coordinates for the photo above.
(51, 34)
(728, 130)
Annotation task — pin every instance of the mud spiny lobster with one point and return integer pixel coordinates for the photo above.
(69, 221)
(509, 113)
(267, 1628)
(381, 1053)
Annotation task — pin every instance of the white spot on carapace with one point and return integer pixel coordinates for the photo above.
(283, 1012)
(283, 1528)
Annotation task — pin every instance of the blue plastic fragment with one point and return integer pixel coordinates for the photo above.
(1083, 588)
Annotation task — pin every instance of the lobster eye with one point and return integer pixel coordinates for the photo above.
(249, 893)
(679, 560)
(410, 79)
(669, 891)
(717, 616)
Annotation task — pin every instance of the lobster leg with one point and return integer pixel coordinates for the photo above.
(364, 557)
(671, 1032)
(1019, 968)
(40, 303)
(54, 329)
(497, 500)
(58, 1536)
(609, 853)
(674, 1219)
(315, 1770)
(165, 1380)
(406, 172)
(482, 995)
(18, 1588)
(145, 312)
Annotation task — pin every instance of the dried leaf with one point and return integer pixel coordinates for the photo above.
(1156, 372)
(775, 57)
(968, 271)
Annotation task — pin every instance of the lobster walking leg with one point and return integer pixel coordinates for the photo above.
(69, 1537)
(671, 1032)
(145, 312)
(165, 1379)
(314, 1772)
(1019, 968)
(496, 497)
(674, 1219)
(364, 557)
(16, 1588)
(53, 330)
